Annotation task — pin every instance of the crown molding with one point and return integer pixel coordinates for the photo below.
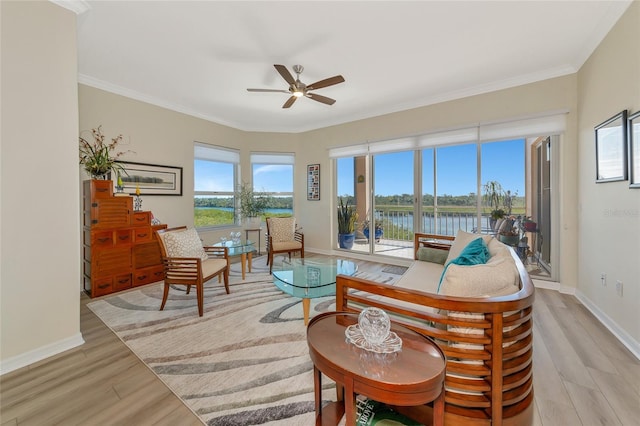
(76, 6)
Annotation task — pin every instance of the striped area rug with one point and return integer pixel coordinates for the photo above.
(245, 362)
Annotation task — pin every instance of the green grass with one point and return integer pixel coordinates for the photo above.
(214, 217)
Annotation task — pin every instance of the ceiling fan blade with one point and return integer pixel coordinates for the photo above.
(289, 102)
(284, 72)
(326, 82)
(268, 90)
(320, 98)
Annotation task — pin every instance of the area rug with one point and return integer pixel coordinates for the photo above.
(245, 362)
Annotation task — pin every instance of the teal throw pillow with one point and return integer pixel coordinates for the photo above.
(433, 255)
(475, 253)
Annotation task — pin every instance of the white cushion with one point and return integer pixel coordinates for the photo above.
(287, 245)
(462, 239)
(184, 244)
(282, 228)
(213, 266)
(497, 277)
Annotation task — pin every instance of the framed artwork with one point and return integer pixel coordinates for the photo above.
(152, 179)
(313, 182)
(611, 149)
(634, 150)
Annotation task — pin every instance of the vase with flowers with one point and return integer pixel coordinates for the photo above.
(98, 157)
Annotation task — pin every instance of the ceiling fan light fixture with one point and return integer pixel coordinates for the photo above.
(297, 93)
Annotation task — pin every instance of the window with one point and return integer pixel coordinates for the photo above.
(215, 172)
(272, 174)
(434, 182)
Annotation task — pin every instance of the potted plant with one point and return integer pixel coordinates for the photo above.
(508, 232)
(98, 157)
(347, 217)
(252, 204)
(493, 197)
(378, 229)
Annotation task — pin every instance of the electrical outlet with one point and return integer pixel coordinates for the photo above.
(603, 279)
(619, 288)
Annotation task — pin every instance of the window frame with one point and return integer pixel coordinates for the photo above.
(217, 154)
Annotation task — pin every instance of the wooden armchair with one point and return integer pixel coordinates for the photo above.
(187, 262)
(283, 237)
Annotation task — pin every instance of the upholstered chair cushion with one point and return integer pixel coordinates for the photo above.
(286, 245)
(213, 265)
(184, 244)
(282, 229)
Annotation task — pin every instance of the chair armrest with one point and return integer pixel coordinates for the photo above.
(179, 269)
(222, 252)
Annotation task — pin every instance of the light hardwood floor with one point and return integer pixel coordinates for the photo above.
(582, 376)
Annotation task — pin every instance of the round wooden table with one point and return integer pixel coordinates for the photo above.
(410, 377)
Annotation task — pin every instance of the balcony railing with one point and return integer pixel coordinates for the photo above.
(399, 225)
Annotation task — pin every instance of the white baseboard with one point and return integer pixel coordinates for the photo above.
(553, 285)
(39, 354)
(613, 327)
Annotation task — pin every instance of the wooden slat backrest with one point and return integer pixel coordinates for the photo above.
(488, 341)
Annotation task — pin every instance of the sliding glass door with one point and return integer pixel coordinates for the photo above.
(389, 224)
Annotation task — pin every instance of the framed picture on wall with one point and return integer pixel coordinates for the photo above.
(634, 150)
(313, 182)
(152, 179)
(611, 149)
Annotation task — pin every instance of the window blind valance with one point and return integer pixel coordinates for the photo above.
(273, 158)
(543, 125)
(203, 151)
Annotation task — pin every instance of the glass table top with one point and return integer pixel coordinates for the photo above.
(308, 279)
(237, 248)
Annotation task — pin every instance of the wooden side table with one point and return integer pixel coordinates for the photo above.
(413, 376)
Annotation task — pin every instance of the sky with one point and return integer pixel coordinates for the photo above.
(457, 169)
(502, 161)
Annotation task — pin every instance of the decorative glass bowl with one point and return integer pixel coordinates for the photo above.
(373, 333)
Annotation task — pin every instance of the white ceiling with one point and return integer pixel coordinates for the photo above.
(199, 57)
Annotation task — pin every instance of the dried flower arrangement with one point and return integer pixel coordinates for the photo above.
(97, 156)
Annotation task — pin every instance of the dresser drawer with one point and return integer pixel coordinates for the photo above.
(101, 286)
(124, 237)
(102, 239)
(121, 282)
(144, 234)
(148, 275)
(141, 218)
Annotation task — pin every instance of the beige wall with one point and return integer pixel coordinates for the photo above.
(609, 213)
(531, 99)
(40, 228)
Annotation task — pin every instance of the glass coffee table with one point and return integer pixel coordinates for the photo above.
(244, 249)
(311, 278)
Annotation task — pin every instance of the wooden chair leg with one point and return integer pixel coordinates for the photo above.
(188, 288)
(165, 295)
(226, 280)
(200, 296)
(270, 263)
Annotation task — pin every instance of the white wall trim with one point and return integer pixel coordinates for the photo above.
(76, 6)
(613, 327)
(554, 285)
(39, 354)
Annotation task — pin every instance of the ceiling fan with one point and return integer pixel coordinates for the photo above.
(298, 89)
